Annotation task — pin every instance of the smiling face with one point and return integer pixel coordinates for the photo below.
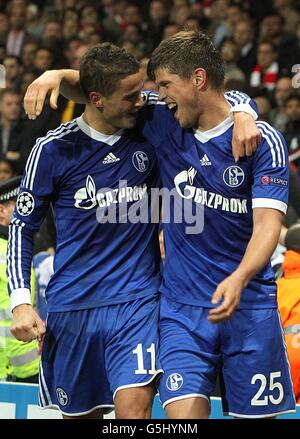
(120, 109)
(112, 81)
(180, 95)
(186, 66)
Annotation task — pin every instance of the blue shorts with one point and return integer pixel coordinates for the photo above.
(89, 355)
(248, 350)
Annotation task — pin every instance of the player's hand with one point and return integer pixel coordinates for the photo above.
(26, 324)
(229, 290)
(47, 83)
(246, 135)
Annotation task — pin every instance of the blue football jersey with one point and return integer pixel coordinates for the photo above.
(206, 186)
(88, 177)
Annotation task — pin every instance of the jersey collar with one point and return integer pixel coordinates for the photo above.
(109, 139)
(205, 136)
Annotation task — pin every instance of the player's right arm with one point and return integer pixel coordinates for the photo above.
(32, 204)
(266, 230)
(53, 82)
(270, 177)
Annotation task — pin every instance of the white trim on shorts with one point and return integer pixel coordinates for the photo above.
(56, 407)
(129, 386)
(268, 415)
(191, 395)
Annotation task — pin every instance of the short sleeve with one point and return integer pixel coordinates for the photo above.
(270, 170)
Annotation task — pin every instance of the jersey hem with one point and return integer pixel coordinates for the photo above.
(78, 307)
(210, 306)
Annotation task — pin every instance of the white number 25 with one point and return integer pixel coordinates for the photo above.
(272, 386)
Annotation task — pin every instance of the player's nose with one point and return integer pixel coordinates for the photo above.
(162, 94)
(140, 101)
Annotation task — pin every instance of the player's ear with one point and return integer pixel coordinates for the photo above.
(199, 77)
(96, 99)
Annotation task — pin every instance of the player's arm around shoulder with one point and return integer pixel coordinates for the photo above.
(246, 135)
(52, 82)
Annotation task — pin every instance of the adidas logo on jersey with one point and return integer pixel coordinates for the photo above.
(110, 158)
(205, 161)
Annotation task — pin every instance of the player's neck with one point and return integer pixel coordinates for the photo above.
(95, 120)
(214, 110)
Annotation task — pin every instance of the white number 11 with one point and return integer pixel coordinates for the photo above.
(138, 351)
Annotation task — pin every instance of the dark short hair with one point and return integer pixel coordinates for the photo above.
(186, 51)
(8, 91)
(10, 163)
(292, 97)
(277, 15)
(16, 58)
(103, 66)
(46, 49)
(292, 238)
(269, 42)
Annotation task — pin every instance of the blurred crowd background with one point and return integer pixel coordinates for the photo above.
(259, 41)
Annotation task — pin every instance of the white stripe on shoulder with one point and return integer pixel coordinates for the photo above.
(265, 137)
(39, 139)
(61, 131)
(276, 146)
(275, 134)
(30, 175)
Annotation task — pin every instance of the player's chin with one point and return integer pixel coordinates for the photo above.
(130, 121)
(185, 123)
